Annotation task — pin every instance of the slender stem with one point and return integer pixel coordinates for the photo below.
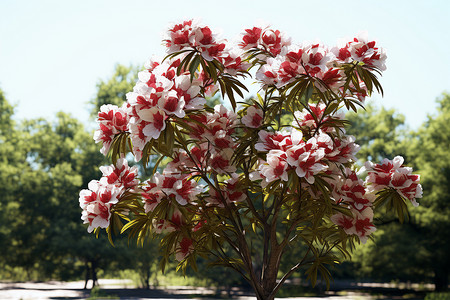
(253, 209)
(233, 216)
(290, 272)
(223, 259)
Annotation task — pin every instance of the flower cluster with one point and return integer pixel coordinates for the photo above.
(222, 165)
(350, 191)
(112, 120)
(284, 63)
(230, 191)
(169, 186)
(159, 95)
(213, 133)
(174, 189)
(101, 195)
(359, 195)
(253, 118)
(392, 174)
(314, 117)
(289, 151)
(309, 147)
(192, 35)
(362, 50)
(269, 40)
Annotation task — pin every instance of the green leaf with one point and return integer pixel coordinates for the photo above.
(130, 224)
(309, 92)
(169, 137)
(155, 168)
(194, 66)
(185, 62)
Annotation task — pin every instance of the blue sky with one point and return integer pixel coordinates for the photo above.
(53, 53)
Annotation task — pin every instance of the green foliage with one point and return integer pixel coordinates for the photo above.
(97, 293)
(43, 167)
(382, 134)
(6, 112)
(113, 90)
(40, 211)
(438, 296)
(433, 215)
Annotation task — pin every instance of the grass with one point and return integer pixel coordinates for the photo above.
(438, 296)
(97, 293)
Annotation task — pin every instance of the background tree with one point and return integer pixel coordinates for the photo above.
(45, 225)
(417, 251)
(114, 89)
(13, 162)
(43, 166)
(433, 215)
(380, 133)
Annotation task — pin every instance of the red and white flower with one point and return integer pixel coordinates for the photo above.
(344, 150)
(358, 225)
(392, 174)
(180, 36)
(221, 161)
(120, 174)
(253, 117)
(251, 38)
(306, 158)
(363, 50)
(280, 140)
(184, 248)
(233, 61)
(151, 195)
(230, 191)
(332, 78)
(274, 40)
(313, 117)
(345, 222)
(275, 167)
(112, 120)
(171, 104)
(316, 58)
(96, 203)
(173, 222)
(179, 187)
(268, 73)
(269, 40)
(153, 120)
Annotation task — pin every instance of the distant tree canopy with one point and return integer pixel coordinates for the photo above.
(114, 89)
(433, 216)
(44, 165)
(380, 132)
(420, 250)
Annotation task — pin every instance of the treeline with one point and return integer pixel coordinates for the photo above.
(418, 250)
(44, 165)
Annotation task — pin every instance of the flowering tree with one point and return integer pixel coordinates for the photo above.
(241, 175)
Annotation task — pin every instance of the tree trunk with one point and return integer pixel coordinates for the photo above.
(147, 279)
(87, 272)
(94, 272)
(440, 279)
(268, 283)
(265, 297)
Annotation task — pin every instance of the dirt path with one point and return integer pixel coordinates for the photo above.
(121, 289)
